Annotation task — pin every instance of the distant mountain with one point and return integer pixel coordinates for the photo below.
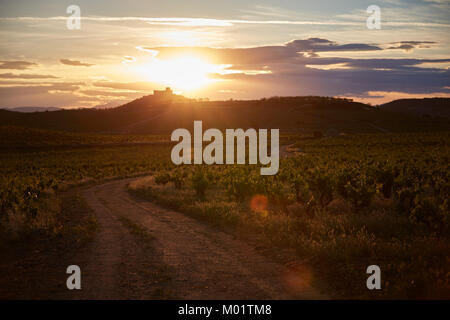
(108, 105)
(161, 114)
(33, 109)
(432, 107)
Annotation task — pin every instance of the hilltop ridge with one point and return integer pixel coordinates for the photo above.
(161, 114)
(431, 107)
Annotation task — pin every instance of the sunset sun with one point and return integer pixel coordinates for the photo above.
(185, 73)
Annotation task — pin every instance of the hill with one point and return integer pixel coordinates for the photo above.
(431, 107)
(151, 114)
(33, 109)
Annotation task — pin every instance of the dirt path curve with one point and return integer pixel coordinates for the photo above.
(204, 263)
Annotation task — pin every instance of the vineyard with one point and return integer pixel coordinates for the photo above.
(341, 204)
(41, 163)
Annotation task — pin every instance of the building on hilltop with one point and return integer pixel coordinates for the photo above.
(168, 93)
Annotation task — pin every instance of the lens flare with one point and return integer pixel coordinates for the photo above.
(259, 204)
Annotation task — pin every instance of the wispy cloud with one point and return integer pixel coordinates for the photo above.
(26, 76)
(410, 45)
(202, 22)
(75, 63)
(133, 86)
(17, 65)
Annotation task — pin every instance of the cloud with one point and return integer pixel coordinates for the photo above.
(202, 22)
(336, 82)
(109, 94)
(324, 45)
(133, 86)
(377, 64)
(291, 69)
(269, 11)
(380, 97)
(52, 95)
(22, 82)
(16, 65)
(295, 54)
(128, 59)
(410, 45)
(26, 76)
(75, 63)
(262, 55)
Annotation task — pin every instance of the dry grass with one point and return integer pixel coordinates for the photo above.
(60, 216)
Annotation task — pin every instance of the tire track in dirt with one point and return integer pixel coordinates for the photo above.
(204, 263)
(116, 264)
(102, 268)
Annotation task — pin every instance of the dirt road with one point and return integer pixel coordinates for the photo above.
(191, 260)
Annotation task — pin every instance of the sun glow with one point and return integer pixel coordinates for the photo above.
(185, 73)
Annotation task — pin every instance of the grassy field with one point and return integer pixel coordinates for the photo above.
(341, 204)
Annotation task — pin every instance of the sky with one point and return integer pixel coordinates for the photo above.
(221, 50)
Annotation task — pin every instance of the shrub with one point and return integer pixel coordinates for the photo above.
(355, 188)
(345, 177)
(428, 213)
(300, 187)
(321, 186)
(178, 178)
(405, 200)
(200, 182)
(385, 175)
(276, 192)
(239, 184)
(360, 193)
(162, 178)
